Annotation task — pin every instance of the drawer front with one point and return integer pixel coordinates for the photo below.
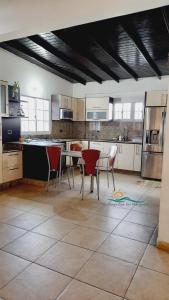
(12, 174)
(12, 160)
(12, 166)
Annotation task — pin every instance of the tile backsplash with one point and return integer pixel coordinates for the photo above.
(84, 130)
(108, 130)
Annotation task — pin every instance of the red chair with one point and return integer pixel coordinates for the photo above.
(74, 163)
(90, 159)
(53, 157)
(110, 164)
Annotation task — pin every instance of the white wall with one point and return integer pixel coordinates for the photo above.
(124, 88)
(22, 18)
(163, 235)
(33, 80)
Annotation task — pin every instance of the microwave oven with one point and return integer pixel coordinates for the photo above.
(66, 114)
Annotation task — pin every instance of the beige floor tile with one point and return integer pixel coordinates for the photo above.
(142, 218)
(148, 285)
(85, 237)
(101, 223)
(123, 248)
(113, 211)
(134, 231)
(30, 246)
(55, 228)
(18, 203)
(27, 221)
(65, 258)
(156, 259)
(7, 213)
(10, 266)
(77, 290)
(46, 210)
(75, 216)
(35, 283)
(107, 273)
(9, 233)
(147, 208)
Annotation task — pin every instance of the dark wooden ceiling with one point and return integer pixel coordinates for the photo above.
(132, 46)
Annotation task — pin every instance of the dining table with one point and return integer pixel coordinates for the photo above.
(78, 154)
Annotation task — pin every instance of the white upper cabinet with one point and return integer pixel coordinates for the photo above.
(65, 102)
(97, 109)
(156, 98)
(97, 103)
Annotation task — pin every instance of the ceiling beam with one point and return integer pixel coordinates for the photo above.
(50, 48)
(165, 18)
(132, 33)
(108, 49)
(18, 46)
(84, 53)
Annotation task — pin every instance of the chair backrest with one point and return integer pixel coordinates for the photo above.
(90, 157)
(75, 147)
(112, 156)
(53, 155)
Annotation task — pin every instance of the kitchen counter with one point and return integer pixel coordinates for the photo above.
(53, 142)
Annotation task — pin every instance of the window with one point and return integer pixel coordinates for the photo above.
(126, 111)
(118, 111)
(36, 112)
(138, 111)
(122, 111)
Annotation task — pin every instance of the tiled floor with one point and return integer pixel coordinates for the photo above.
(55, 246)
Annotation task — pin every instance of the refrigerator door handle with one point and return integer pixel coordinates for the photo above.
(162, 129)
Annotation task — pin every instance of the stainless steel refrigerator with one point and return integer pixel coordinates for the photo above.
(153, 141)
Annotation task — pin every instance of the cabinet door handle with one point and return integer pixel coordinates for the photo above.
(14, 169)
(13, 154)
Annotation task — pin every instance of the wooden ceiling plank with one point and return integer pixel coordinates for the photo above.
(132, 33)
(47, 46)
(108, 49)
(88, 55)
(17, 45)
(165, 18)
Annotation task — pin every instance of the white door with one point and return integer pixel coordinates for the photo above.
(137, 157)
(125, 156)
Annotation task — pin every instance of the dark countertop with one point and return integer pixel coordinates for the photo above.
(45, 143)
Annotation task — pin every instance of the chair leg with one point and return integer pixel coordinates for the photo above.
(47, 186)
(113, 180)
(73, 176)
(107, 177)
(98, 183)
(82, 187)
(68, 177)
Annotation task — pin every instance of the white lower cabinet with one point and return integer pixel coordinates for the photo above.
(128, 156)
(12, 166)
(137, 157)
(125, 156)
